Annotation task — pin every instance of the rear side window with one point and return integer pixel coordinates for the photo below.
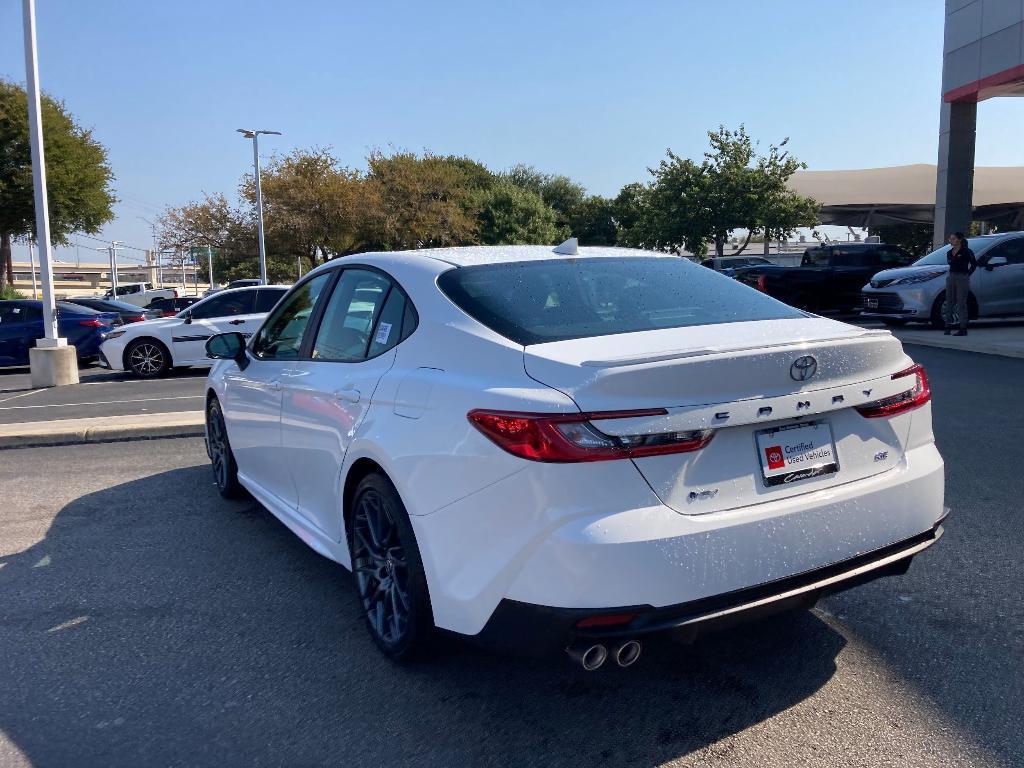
(854, 257)
(267, 298)
(349, 316)
(543, 301)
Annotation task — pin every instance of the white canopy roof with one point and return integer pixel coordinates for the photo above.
(906, 193)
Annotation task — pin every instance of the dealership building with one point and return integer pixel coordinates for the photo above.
(983, 57)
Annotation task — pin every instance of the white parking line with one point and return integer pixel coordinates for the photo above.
(22, 394)
(102, 402)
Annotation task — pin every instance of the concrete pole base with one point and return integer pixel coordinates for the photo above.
(53, 366)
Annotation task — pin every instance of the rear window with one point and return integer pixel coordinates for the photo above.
(535, 302)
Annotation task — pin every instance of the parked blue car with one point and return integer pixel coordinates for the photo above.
(21, 323)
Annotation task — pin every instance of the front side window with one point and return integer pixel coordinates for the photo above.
(281, 336)
(1011, 250)
(554, 300)
(224, 305)
(815, 257)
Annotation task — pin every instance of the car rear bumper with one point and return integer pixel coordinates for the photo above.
(519, 627)
(595, 538)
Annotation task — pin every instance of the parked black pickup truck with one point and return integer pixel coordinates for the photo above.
(829, 277)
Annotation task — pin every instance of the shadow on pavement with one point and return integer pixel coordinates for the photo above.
(156, 624)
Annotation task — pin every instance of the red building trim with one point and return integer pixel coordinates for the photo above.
(1008, 81)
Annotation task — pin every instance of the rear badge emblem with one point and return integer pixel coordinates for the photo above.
(803, 368)
(702, 495)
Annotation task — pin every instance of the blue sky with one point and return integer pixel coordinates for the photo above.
(596, 90)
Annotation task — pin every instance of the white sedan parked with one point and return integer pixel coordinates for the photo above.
(151, 348)
(573, 449)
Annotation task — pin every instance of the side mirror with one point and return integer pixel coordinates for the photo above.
(227, 346)
(188, 317)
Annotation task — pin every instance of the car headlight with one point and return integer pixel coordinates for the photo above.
(923, 277)
(112, 335)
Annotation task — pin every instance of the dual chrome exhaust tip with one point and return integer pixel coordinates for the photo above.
(592, 656)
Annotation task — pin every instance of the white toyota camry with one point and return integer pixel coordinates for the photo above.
(151, 348)
(571, 449)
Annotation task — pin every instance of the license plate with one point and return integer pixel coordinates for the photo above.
(871, 303)
(797, 452)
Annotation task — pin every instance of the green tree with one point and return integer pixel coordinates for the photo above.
(78, 176)
(670, 213)
(914, 238)
(510, 214)
(593, 221)
(561, 193)
(687, 204)
(314, 207)
(420, 202)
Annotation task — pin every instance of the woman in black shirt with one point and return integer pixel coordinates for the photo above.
(958, 282)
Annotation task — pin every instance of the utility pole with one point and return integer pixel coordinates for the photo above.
(209, 259)
(112, 251)
(298, 264)
(32, 267)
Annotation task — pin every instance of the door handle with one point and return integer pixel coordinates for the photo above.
(274, 386)
(235, 322)
(347, 395)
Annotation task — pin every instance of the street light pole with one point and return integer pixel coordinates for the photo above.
(255, 136)
(52, 362)
(209, 259)
(35, 124)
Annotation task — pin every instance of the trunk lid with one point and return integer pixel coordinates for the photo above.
(738, 379)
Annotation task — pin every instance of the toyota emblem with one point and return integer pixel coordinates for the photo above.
(803, 368)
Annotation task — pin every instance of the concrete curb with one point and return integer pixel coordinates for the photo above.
(99, 430)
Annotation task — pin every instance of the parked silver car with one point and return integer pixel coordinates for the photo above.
(918, 292)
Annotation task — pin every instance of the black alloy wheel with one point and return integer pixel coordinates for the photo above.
(388, 572)
(148, 359)
(225, 470)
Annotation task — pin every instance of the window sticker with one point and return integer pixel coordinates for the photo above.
(383, 333)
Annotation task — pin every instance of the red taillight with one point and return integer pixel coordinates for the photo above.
(914, 397)
(571, 437)
(175, 293)
(91, 323)
(762, 283)
(135, 318)
(607, 620)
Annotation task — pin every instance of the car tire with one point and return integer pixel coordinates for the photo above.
(222, 458)
(388, 572)
(935, 319)
(147, 358)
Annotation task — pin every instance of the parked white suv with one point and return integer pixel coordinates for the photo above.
(150, 349)
(571, 451)
(140, 294)
(917, 293)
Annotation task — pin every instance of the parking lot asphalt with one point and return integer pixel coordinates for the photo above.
(144, 621)
(100, 393)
